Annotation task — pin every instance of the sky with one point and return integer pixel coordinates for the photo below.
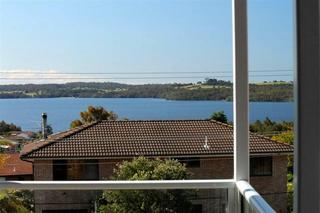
(139, 41)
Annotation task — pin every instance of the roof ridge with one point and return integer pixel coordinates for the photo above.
(161, 120)
(221, 123)
(253, 133)
(70, 132)
(270, 139)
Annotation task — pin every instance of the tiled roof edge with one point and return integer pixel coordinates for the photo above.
(256, 134)
(275, 141)
(226, 154)
(55, 138)
(43, 143)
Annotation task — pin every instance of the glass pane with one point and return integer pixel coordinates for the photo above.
(271, 94)
(138, 90)
(192, 201)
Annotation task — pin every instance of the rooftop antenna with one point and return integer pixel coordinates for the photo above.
(206, 146)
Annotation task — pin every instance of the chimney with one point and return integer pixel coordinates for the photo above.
(44, 126)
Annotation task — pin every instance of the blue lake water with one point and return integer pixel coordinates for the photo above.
(61, 111)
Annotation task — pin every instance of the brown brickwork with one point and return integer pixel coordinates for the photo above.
(106, 168)
(213, 168)
(55, 200)
(42, 170)
(272, 187)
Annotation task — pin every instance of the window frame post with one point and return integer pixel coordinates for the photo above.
(240, 91)
(307, 106)
(240, 97)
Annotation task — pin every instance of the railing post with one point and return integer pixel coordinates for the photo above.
(231, 200)
(240, 94)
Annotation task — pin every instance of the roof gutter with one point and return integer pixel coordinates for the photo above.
(160, 156)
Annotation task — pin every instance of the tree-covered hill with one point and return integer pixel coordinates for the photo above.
(211, 89)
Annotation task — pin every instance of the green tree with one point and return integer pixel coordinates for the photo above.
(5, 128)
(16, 201)
(219, 116)
(270, 128)
(286, 137)
(39, 135)
(142, 201)
(93, 114)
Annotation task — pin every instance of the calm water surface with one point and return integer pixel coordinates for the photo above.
(61, 111)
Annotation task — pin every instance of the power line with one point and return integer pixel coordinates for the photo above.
(140, 73)
(132, 78)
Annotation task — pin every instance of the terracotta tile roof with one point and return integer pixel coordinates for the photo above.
(149, 138)
(13, 165)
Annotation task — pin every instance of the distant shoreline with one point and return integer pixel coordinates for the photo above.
(139, 98)
(216, 90)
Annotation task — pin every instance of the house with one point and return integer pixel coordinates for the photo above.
(21, 136)
(6, 145)
(14, 140)
(13, 168)
(5, 148)
(91, 152)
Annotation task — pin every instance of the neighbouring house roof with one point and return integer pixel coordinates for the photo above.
(14, 166)
(5, 146)
(109, 139)
(20, 135)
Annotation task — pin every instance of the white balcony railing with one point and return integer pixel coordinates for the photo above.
(254, 202)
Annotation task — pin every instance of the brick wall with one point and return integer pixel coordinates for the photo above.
(42, 170)
(271, 187)
(55, 200)
(213, 168)
(106, 168)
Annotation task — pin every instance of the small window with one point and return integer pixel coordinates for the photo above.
(60, 170)
(75, 170)
(91, 170)
(190, 162)
(261, 166)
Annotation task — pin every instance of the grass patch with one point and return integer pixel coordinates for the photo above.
(5, 142)
(273, 83)
(202, 86)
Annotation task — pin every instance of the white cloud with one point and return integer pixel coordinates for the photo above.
(25, 76)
